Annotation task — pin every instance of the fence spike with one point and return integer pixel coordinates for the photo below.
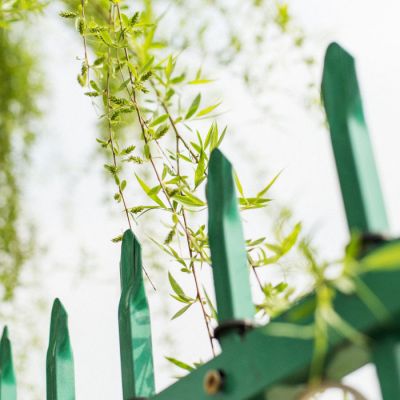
(228, 251)
(355, 163)
(59, 362)
(134, 324)
(8, 387)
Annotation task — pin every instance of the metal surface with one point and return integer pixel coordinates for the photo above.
(134, 324)
(214, 381)
(59, 362)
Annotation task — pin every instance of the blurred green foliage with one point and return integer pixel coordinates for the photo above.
(19, 87)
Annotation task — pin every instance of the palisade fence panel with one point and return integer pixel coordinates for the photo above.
(256, 363)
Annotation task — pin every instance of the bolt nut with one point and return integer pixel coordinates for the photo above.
(213, 381)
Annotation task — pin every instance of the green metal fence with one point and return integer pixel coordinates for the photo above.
(255, 364)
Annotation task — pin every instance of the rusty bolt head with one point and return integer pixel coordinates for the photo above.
(213, 381)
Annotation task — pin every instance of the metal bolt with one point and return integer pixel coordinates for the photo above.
(213, 381)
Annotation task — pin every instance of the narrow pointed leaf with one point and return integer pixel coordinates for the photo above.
(265, 190)
(180, 364)
(152, 193)
(207, 110)
(175, 286)
(181, 311)
(193, 107)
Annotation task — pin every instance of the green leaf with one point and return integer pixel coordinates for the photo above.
(175, 286)
(249, 203)
(181, 311)
(175, 254)
(212, 137)
(291, 239)
(265, 190)
(170, 67)
(210, 304)
(210, 133)
(199, 174)
(178, 79)
(181, 299)
(179, 364)
(125, 20)
(239, 186)
(193, 107)
(207, 110)
(148, 65)
(159, 120)
(189, 200)
(221, 138)
(255, 242)
(133, 70)
(200, 81)
(146, 151)
(385, 257)
(106, 38)
(147, 190)
(94, 86)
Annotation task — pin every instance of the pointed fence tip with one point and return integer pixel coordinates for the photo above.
(58, 313)
(219, 174)
(130, 262)
(4, 336)
(216, 152)
(128, 234)
(217, 156)
(336, 55)
(60, 379)
(334, 46)
(57, 305)
(130, 238)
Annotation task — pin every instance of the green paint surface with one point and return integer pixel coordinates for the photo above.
(359, 182)
(134, 324)
(8, 387)
(59, 362)
(228, 251)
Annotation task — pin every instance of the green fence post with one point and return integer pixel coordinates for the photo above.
(59, 362)
(386, 356)
(8, 387)
(359, 182)
(355, 163)
(134, 324)
(227, 245)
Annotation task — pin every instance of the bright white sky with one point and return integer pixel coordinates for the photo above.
(65, 176)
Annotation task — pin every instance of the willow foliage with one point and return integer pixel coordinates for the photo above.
(158, 140)
(19, 86)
